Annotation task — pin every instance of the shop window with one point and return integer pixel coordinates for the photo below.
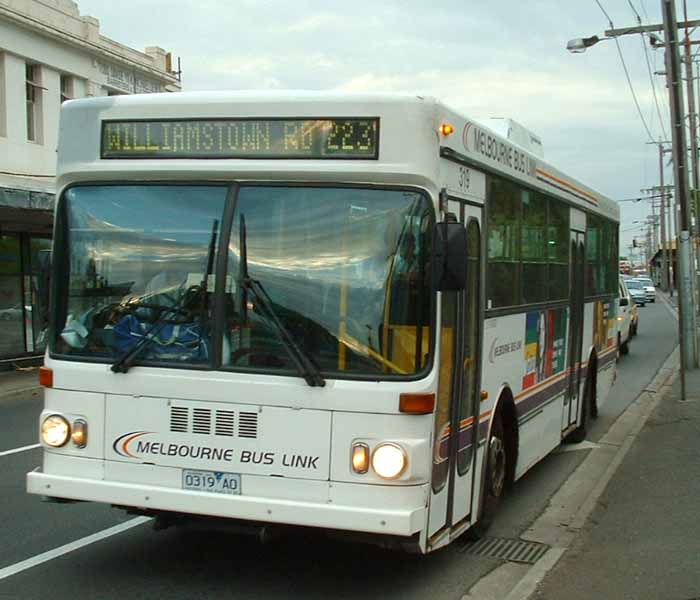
(11, 306)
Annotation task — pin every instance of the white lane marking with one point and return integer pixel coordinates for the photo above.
(65, 549)
(16, 450)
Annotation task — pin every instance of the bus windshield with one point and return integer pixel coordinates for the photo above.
(346, 271)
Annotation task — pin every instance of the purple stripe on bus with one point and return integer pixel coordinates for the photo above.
(540, 397)
(466, 435)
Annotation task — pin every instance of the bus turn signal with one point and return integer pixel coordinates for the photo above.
(46, 377)
(417, 404)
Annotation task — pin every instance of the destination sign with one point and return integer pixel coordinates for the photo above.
(242, 138)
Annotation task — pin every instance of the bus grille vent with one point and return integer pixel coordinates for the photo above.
(224, 422)
(179, 416)
(248, 425)
(201, 421)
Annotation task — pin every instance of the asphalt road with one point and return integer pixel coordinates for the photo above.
(142, 563)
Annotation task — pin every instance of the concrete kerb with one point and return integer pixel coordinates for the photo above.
(571, 505)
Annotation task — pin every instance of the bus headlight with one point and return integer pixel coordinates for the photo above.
(389, 460)
(55, 431)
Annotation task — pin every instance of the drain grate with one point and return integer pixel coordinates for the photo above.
(506, 549)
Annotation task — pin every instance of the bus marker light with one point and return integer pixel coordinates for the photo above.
(79, 435)
(484, 395)
(360, 458)
(389, 460)
(417, 404)
(46, 377)
(447, 129)
(55, 431)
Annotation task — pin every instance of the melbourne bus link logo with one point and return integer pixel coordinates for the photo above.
(480, 141)
(136, 444)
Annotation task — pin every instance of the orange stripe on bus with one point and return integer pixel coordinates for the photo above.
(567, 184)
(541, 385)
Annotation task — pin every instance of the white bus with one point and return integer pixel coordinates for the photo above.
(361, 313)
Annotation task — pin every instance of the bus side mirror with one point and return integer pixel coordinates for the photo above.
(450, 256)
(624, 302)
(44, 284)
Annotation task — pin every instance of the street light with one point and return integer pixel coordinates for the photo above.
(578, 45)
(688, 331)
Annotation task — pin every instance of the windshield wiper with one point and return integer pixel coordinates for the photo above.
(124, 362)
(308, 370)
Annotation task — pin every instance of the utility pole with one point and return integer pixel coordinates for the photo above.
(687, 322)
(655, 230)
(672, 265)
(665, 214)
(692, 123)
(695, 186)
(687, 330)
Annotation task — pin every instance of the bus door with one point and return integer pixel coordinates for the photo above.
(454, 449)
(576, 277)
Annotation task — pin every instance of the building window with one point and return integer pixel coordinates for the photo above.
(33, 97)
(67, 92)
(3, 97)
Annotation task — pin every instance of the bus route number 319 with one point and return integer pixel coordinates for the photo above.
(211, 481)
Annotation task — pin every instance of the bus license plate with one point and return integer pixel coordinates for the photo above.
(211, 481)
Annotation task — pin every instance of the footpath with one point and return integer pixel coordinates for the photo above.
(15, 382)
(642, 539)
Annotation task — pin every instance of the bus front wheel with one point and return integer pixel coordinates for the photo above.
(496, 477)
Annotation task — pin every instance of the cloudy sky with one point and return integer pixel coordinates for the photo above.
(504, 58)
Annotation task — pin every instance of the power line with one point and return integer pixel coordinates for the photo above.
(644, 9)
(651, 76)
(634, 10)
(607, 16)
(627, 75)
(634, 96)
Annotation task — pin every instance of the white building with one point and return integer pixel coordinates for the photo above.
(48, 53)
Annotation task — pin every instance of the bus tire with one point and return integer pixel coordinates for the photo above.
(496, 479)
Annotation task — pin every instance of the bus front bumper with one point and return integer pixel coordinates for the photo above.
(388, 517)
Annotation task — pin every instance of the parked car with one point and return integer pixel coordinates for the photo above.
(624, 318)
(649, 288)
(636, 290)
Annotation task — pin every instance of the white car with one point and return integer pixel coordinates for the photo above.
(637, 291)
(649, 288)
(624, 318)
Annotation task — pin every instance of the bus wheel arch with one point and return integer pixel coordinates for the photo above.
(501, 444)
(589, 409)
(591, 385)
(506, 406)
